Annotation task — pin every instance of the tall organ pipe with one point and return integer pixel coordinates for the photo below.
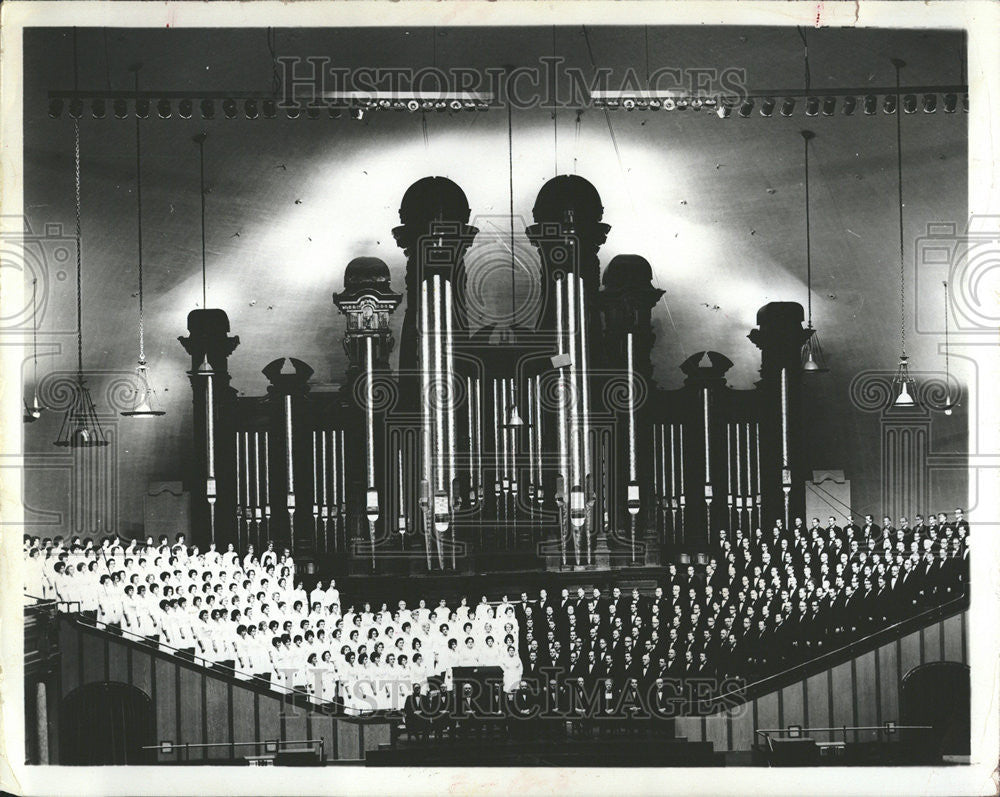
(449, 381)
(496, 440)
(479, 439)
(289, 471)
(587, 477)
(563, 475)
(505, 439)
(470, 401)
(512, 447)
(451, 476)
(538, 437)
(427, 482)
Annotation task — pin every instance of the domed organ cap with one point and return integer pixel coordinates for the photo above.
(627, 271)
(568, 197)
(433, 199)
(780, 313)
(366, 272)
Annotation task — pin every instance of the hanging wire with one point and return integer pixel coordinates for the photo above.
(618, 154)
(200, 141)
(34, 326)
(138, 198)
(107, 61)
(899, 171)
(805, 56)
(423, 113)
(79, 226)
(645, 32)
(576, 138)
(806, 135)
(947, 367)
(607, 115)
(555, 108)
(510, 178)
(79, 255)
(275, 75)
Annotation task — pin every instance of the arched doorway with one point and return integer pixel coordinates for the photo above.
(106, 723)
(937, 694)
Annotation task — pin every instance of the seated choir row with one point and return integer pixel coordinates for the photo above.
(779, 601)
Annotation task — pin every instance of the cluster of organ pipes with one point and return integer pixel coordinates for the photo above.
(744, 493)
(574, 482)
(439, 478)
(743, 482)
(505, 487)
(668, 475)
(570, 481)
(253, 484)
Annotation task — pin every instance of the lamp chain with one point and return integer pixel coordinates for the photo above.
(809, 299)
(201, 181)
(34, 326)
(902, 265)
(555, 107)
(138, 196)
(947, 368)
(79, 256)
(510, 177)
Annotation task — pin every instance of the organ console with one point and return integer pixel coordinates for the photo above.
(390, 471)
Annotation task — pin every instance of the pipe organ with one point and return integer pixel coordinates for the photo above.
(503, 446)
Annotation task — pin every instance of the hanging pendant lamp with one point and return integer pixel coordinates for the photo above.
(205, 368)
(33, 411)
(513, 418)
(144, 403)
(813, 361)
(902, 382)
(80, 427)
(951, 401)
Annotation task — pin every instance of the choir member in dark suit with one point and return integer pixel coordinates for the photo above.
(524, 707)
(565, 601)
(614, 607)
(520, 607)
(417, 723)
(543, 602)
(882, 604)
(636, 605)
(960, 523)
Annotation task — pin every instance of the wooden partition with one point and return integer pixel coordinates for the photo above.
(194, 705)
(862, 692)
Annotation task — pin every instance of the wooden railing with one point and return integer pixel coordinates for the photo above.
(297, 697)
(804, 669)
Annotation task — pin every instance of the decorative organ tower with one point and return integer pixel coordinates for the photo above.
(491, 448)
(434, 234)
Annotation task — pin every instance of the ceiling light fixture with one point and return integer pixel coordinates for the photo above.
(144, 404)
(812, 353)
(950, 401)
(80, 427)
(34, 411)
(902, 382)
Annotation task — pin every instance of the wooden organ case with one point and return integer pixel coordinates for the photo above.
(500, 446)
